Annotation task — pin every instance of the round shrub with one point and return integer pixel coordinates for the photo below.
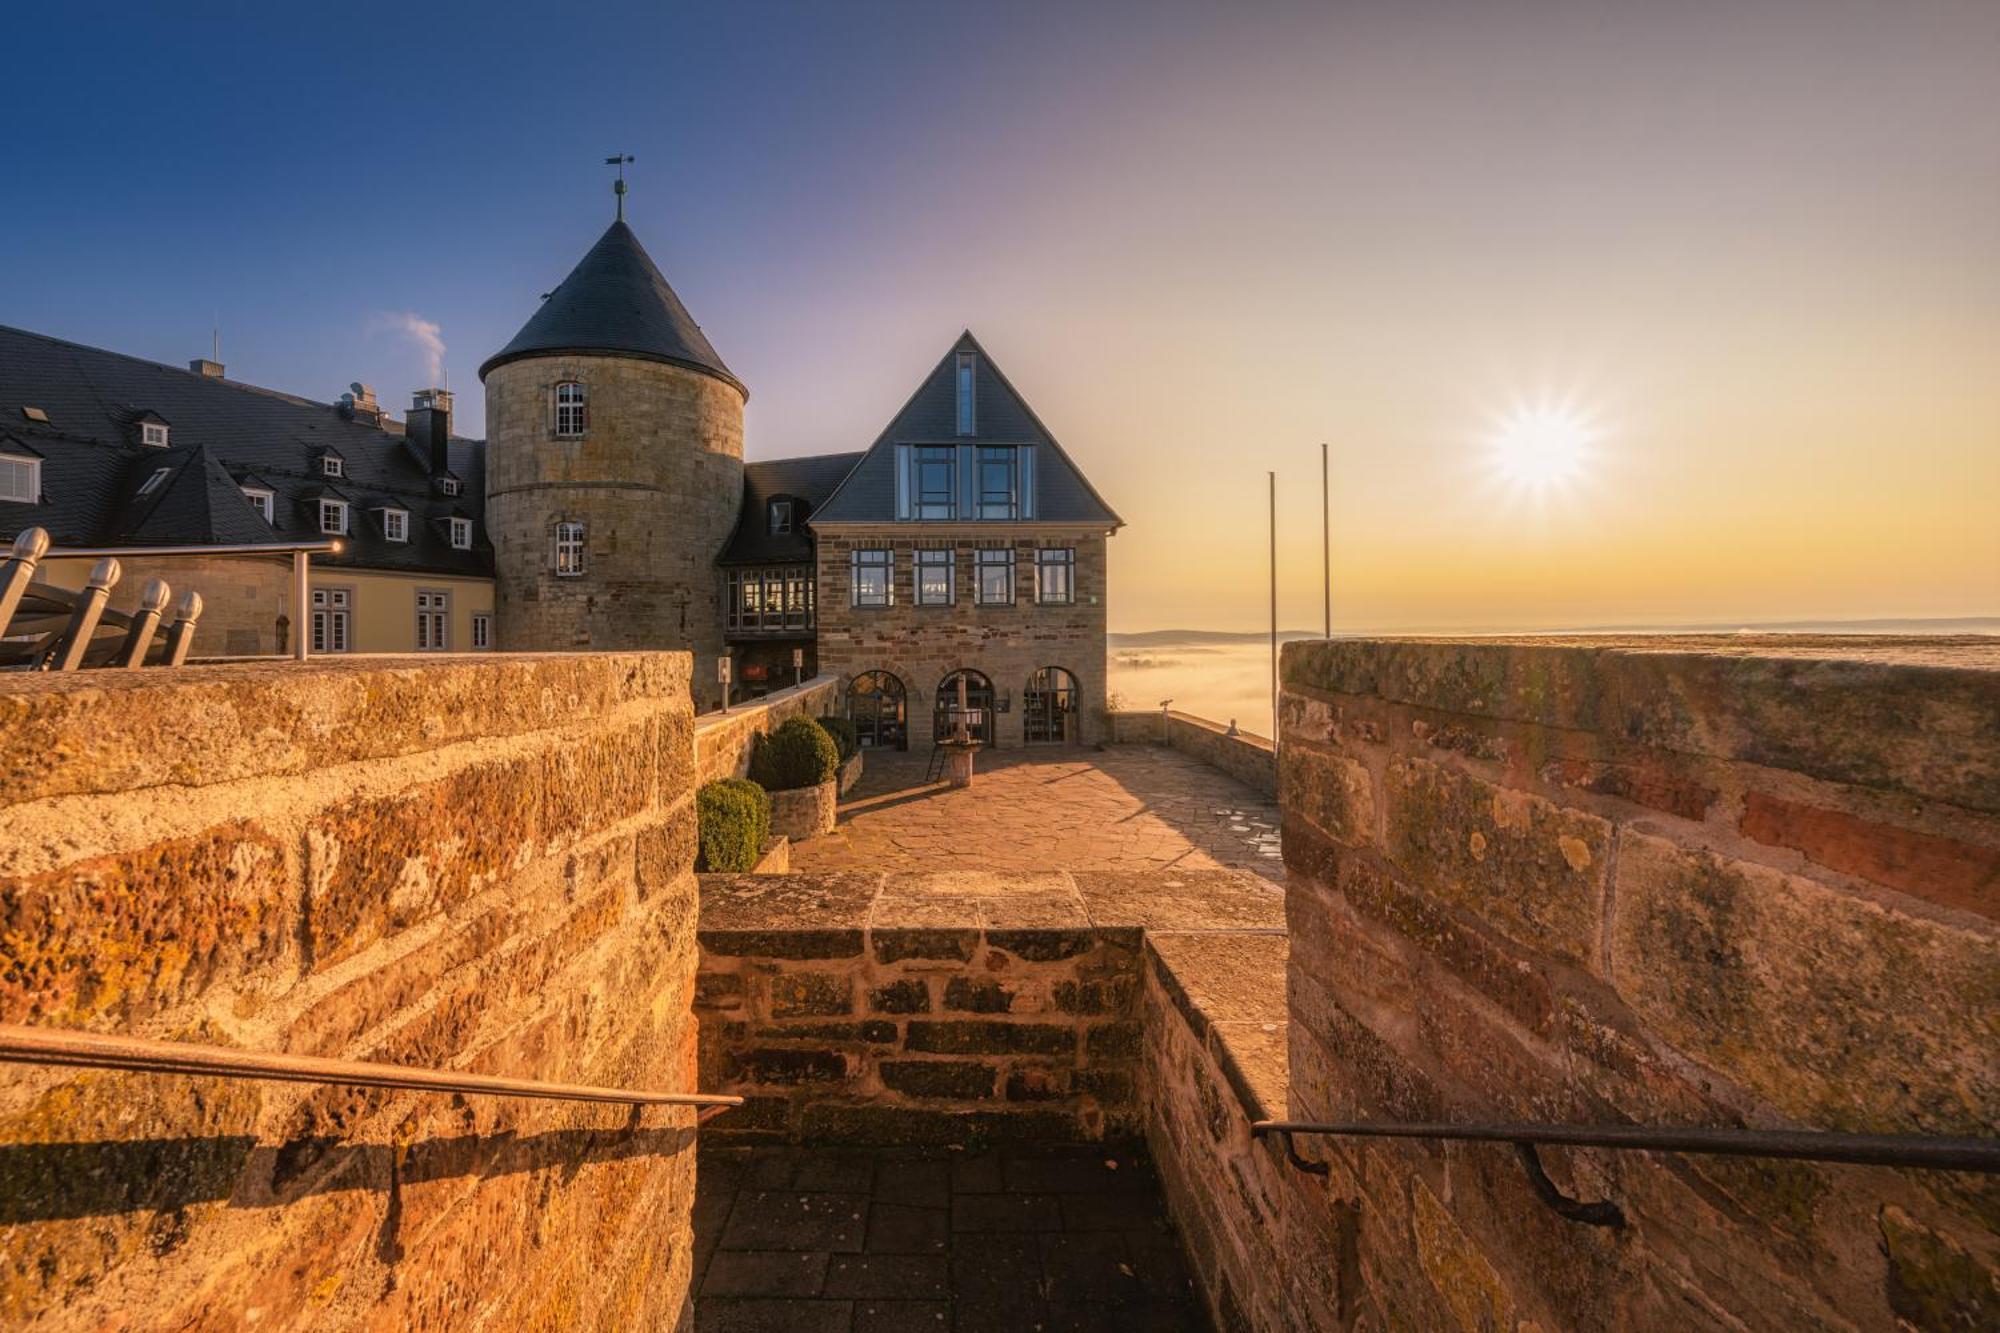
(798, 754)
(733, 817)
(845, 738)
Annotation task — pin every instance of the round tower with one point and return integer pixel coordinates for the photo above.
(614, 468)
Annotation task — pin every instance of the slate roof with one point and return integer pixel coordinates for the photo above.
(615, 302)
(223, 435)
(1001, 416)
(807, 481)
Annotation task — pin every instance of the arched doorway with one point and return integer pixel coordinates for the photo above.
(877, 707)
(1048, 707)
(978, 700)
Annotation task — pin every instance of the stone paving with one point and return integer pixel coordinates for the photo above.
(1125, 808)
(897, 1240)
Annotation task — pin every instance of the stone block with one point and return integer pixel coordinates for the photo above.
(895, 944)
(597, 780)
(810, 995)
(1532, 870)
(790, 945)
(977, 995)
(911, 995)
(1331, 791)
(666, 849)
(989, 1037)
(1037, 1083)
(1042, 946)
(1112, 1041)
(1934, 1282)
(1840, 1011)
(1947, 871)
(773, 1065)
(959, 1079)
(805, 813)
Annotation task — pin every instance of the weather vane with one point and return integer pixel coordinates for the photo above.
(619, 160)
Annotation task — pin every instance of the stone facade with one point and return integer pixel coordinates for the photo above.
(656, 481)
(920, 645)
(1718, 882)
(472, 863)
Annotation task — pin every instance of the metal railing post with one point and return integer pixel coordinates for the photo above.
(181, 636)
(75, 641)
(301, 611)
(18, 571)
(139, 634)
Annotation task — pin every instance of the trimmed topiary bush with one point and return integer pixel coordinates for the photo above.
(845, 738)
(798, 754)
(733, 817)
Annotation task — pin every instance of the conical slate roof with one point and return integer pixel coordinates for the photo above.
(616, 303)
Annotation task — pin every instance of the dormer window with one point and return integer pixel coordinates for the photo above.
(572, 410)
(264, 502)
(157, 480)
(461, 534)
(448, 486)
(153, 434)
(333, 517)
(781, 517)
(968, 364)
(332, 465)
(396, 525)
(20, 479)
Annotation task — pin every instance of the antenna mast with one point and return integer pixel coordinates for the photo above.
(619, 160)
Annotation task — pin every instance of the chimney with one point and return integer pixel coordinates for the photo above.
(427, 429)
(207, 369)
(358, 404)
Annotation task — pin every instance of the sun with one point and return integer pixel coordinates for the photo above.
(1541, 448)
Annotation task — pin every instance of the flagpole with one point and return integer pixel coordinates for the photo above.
(1274, 607)
(1326, 535)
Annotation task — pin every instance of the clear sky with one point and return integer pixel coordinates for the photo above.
(1745, 256)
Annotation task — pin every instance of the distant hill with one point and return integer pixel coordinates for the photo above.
(1884, 625)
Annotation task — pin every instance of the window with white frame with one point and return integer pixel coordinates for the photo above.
(332, 630)
(20, 479)
(264, 502)
(448, 485)
(333, 517)
(433, 621)
(572, 409)
(873, 570)
(157, 480)
(993, 582)
(482, 631)
(569, 550)
(461, 534)
(332, 465)
(153, 434)
(1055, 575)
(935, 577)
(968, 366)
(396, 524)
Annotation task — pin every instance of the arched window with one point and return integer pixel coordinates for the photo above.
(978, 706)
(877, 707)
(1048, 708)
(572, 409)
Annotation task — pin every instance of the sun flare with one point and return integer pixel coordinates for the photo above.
(1541, 448)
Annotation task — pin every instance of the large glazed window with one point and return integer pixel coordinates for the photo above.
(572, 409)
(936, 482)
(999, 483)
(968, 415)
(1055, 576)
(935, 581)
(873, 585)
(993, 577)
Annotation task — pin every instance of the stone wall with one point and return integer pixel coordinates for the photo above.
(656, 481)
(722, 741)
(920, 645)
(475, 863)
(1729, 882)
(1248, 758)
(242, 596)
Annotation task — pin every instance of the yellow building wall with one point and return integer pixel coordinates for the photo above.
(384, 612)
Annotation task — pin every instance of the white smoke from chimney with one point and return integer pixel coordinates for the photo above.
(428, 337)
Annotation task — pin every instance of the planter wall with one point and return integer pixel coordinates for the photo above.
(776, 857)
(804, 813)
(850, 773)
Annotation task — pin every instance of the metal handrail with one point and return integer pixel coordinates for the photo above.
(330, 546)
(57, 1046)
(1922, 1152)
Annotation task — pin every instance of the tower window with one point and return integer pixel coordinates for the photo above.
(781, 517)
(572, 409)
(569, 550)
(967, 417)
(153, 434)
(461, 534)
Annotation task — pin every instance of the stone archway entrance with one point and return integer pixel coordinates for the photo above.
(978, 700)
(1048, 708)
(879, 709)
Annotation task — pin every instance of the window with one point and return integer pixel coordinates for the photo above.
(157, 480)
(331, 609)
(781, 517)
(572, 409)
(433, 621)
(461, 534)
(936, 480)
(968, 365)
(153, 434)
(263, 502)
(35, 414)
(1055, 576)
(448, 486)
(333, 517)
(999, 483)
(872, 571)
(482, 631)
(332, 465)
(569, 550)
(396, 524)
(995, 581)
(934, 578)
(20, 479)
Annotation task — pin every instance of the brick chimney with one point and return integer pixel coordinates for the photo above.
(358, 404)
(207, 369)
(427, 429)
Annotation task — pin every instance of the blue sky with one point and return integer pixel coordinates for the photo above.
(1751, 247)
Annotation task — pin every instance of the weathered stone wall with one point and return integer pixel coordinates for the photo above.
(242, 597)
(474, 863)
(1249, 758)
(923, 644)
(656, 481)
(722, 741)
(1730, 882)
